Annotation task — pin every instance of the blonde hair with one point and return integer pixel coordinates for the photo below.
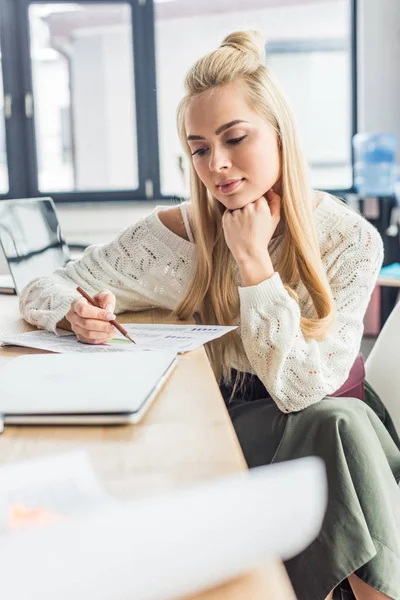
(213, 295)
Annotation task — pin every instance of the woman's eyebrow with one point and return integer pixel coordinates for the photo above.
(219, 130)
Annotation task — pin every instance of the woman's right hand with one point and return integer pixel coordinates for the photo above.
(92, 325)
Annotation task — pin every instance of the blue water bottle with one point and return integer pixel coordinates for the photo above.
(374, 163)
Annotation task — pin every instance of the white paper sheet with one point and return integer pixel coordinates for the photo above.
(172, 545)
(49, 489)
(179, 338)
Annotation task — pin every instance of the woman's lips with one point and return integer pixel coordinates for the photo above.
(230, 186)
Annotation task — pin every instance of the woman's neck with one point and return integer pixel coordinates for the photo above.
(315, 200)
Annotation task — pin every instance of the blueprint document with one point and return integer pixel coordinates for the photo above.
(178, 338)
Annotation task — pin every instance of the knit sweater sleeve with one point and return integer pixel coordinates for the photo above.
(145, 266)
(298, 372)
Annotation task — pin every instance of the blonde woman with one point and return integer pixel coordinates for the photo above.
(295, 269)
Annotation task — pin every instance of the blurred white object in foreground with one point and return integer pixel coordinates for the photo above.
(170, 545)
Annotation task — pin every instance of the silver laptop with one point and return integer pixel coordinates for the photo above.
(31, 239)
(82, 389)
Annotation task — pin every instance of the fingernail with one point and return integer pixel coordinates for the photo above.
(109, 307)
(109, 316)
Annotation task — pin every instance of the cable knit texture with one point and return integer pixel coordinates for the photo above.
(149, 266)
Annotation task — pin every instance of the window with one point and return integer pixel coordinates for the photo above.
(308, 49)
(315, 75)
(84, 96)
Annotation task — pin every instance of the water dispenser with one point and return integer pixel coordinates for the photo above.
(374, 163)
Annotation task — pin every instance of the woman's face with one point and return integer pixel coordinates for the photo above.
(234, 150)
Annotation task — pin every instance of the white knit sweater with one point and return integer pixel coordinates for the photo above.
(147, 265)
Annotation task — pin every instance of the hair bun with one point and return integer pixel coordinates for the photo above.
(250, 42)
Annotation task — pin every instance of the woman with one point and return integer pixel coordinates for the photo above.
(293, 268)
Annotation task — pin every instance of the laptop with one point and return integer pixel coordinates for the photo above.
(82, 389)
(31, 239)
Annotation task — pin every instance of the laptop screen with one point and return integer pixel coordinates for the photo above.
(31, 239)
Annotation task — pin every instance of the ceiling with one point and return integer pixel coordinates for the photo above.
(64, 24)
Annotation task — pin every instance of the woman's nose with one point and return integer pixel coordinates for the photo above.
(219, 160)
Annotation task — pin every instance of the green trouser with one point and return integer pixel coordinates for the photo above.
(361, 530)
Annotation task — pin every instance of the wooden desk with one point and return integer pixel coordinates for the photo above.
(186, 437)
(388, 281)
(383, 299)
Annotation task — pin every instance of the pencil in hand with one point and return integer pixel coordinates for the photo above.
(93, 302)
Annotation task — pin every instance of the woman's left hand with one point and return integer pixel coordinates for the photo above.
(249, 230)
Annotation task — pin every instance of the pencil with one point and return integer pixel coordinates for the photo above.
(93, 302)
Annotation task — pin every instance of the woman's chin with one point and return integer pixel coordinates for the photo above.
(235, 201)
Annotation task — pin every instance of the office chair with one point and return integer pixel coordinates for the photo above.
(382, 367)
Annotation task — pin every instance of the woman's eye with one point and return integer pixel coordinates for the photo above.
(237, 140)
(199, 151)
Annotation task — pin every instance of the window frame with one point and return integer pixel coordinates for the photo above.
(12, 83)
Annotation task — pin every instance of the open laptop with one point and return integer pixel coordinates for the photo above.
(31, 239)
